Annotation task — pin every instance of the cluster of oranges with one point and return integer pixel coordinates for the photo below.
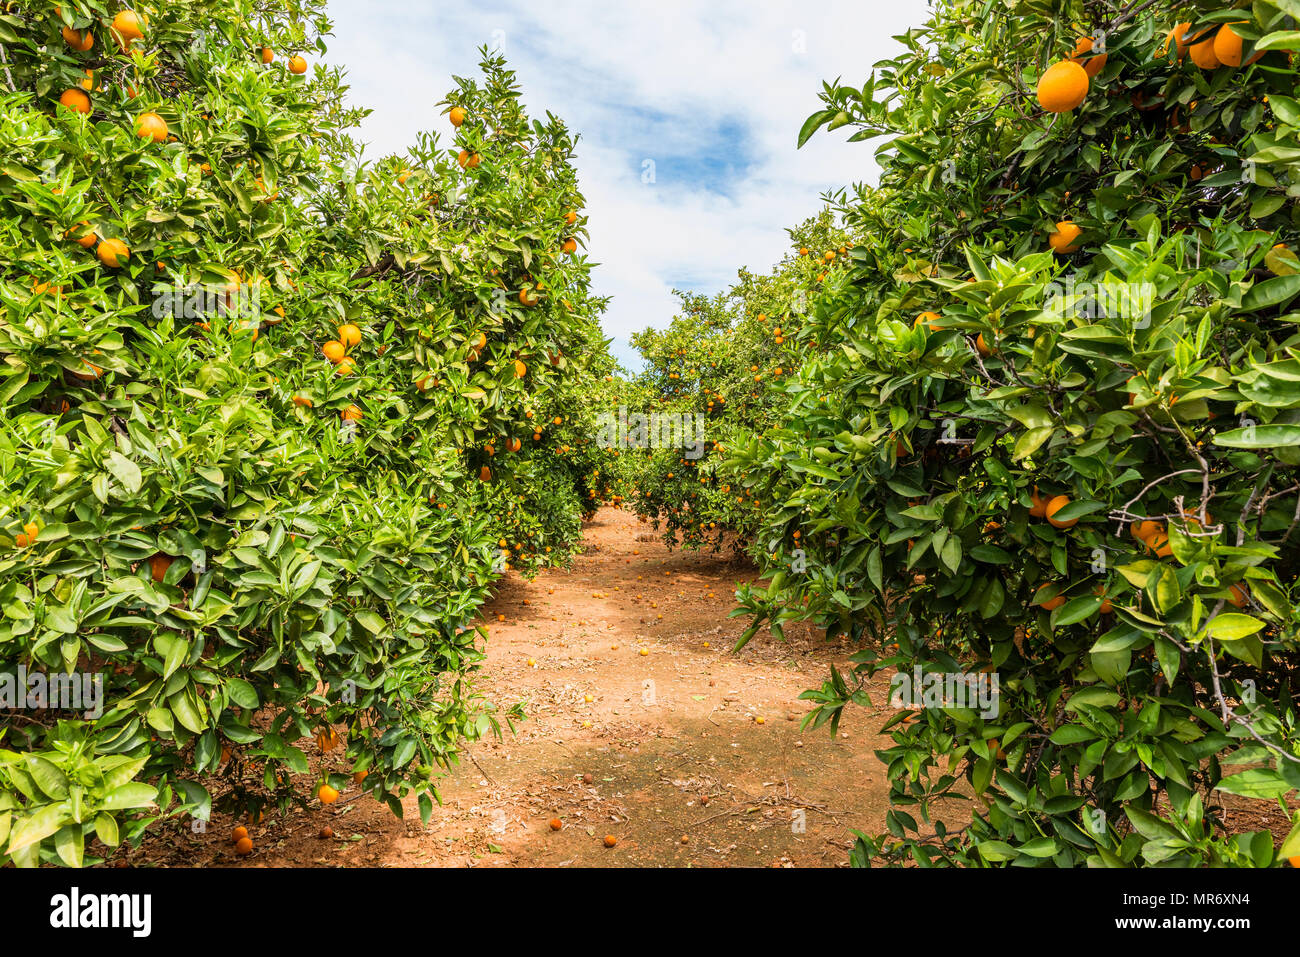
(336, 350)
(1064, 85)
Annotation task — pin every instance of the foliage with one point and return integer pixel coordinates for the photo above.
(251, 544)
(1149, 672)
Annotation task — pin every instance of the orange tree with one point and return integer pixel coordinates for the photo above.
(1061, 446)
(728, 359)
(250, 392)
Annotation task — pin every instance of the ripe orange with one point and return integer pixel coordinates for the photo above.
(158, 566)
(244, 846)
(1062, 87)
(1227, 46)
(359, 777)
(151, 126)
(457, 116)
(570, 217)
(1178, 37)
(85, 241)
(1236, 596)
(1038, 504)
(521, 370)
(327, 794)
(1063, 239)
(351, 414)
(334, 351)
(345, 367)
(349, 335)
(302, 401)
(485, 474)
(1092, 65)
(1145, 530)
(468, 160)
(1203, 54)
(297, 64)
(75, 100)
(113, 253)
(326, 833)
(1159, 543)
(268, 55)
(1106, 605)
(79, 40)
(556, 824)
(527, 297)
(126, 25)
(982, 347)
(929, 318)
(570, 246)
(239, 833)
(1054, 506)
(1048, 604)
(610, 840)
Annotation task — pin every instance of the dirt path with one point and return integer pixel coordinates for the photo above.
(685, 753)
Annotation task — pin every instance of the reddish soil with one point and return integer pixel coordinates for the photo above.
(688, 755)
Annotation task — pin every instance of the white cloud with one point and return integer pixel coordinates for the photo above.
(713, 92)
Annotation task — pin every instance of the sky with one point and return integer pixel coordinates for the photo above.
(706, 95)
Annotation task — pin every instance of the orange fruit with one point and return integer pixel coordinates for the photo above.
(345, 367)
(1048, 604)
(75, 100)
(151, 126)
(527, 297)
(1106, 605)
(302, 401)
(570, 246)
(244, 846)
(570, 217)
(239, 833)
(349, 335)
(1038, 504)
(521, 370)
(610, 840)
(326, 833)
(158, 566)
(1176, 36)
(85, 241)
(556, 824)
(297, 64)
(1054, 506)
(468, 160)
(1159, 543)
(327, 794)
(1203, 54)
(351, 414)
(457, 116)
(79, 40)
(268, 55)
(929, 318)
(484, 474)
(127, 26)
(359, 777)
(334, 351)
(1092, 65)
(1236, 596)
(113, 253)
(1062, 240)
(982, 347)
(1144, 531)
(1227, 46)
(1062, 87)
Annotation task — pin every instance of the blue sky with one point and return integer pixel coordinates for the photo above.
(711, 93)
